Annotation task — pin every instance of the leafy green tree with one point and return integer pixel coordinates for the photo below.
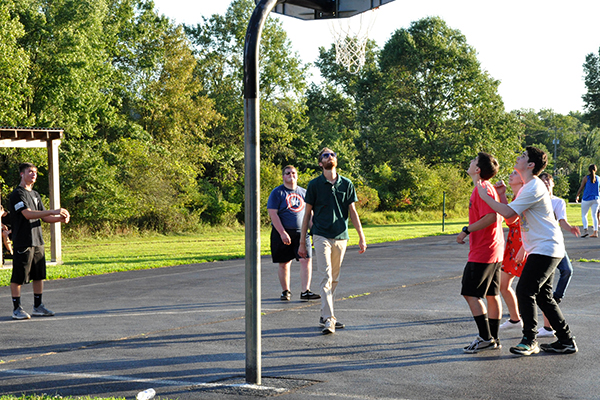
(567, 140)
(431, 100)
(591, 70)
(219, 43)
(332, 123)
(68, 66)
(14, 65)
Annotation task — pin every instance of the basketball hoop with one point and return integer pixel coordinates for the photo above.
(350, 37)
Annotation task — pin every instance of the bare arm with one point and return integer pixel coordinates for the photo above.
(583, 182)
(285, 238)
(50, 216)
(500, 187)
(483, 223)
(568, 227)
(503, 209)
(362, 242)
(305, 222)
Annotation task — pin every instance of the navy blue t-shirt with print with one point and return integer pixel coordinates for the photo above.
(289, 204)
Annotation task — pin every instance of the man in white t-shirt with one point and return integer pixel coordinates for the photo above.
(543, 242)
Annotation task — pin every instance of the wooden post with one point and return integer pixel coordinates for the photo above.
(54, 180)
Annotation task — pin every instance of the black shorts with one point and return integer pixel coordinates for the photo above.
(29, 264)
(480, 280)
(282, 253)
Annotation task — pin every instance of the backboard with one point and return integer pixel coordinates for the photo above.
(325, 9)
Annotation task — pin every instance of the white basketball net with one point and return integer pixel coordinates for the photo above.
(350, 37)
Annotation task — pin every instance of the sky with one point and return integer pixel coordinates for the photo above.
(536, 49)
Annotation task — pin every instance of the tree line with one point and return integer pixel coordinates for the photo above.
(153, 113)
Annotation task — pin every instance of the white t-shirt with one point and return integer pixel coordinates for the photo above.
(559, 207)
(539, 228)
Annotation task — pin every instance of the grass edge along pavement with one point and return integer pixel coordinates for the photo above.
(92, 256)
(89, 256)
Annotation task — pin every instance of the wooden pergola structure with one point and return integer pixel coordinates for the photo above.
(49, 138)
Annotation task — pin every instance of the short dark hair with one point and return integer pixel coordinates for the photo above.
(488, 166)
(24, 166)
(286, 168)
(545, 175)
(538, 157)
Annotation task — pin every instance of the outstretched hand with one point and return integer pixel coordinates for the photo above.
(575, 231)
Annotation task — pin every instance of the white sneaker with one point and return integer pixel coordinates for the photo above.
(329, 326)
(543, 332)
(508, 324)
(479, 344)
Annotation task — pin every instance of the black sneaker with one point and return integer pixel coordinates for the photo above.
(286, 295)
(338, 324)
(558, 347)
(526, 348)
(308, 295)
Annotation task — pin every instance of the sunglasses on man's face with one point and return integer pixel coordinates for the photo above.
(327, 155)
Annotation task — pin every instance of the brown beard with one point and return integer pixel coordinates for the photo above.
(329, 164)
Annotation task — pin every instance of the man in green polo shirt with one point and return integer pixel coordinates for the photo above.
(330, 200)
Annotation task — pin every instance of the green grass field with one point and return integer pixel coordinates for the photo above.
(90, 256)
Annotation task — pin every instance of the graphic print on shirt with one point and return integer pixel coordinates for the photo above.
(524, 224)
(295, 202)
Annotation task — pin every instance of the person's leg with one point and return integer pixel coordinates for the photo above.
(566, 272)
(537, 272)
(585, 207)
(595, 218)
(508, 294)
(323, 259)
(337, 257)
(284, 275)
(479, 312)
(305, 273)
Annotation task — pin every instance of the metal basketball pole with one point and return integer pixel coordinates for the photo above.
(252, 187)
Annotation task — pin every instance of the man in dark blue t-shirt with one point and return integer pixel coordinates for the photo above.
(29, 263)
(286, 208)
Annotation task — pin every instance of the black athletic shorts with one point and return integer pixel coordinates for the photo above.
(480, 280)
(29, 264)
(282, 253)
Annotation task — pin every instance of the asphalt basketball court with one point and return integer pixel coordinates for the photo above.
(180, 330)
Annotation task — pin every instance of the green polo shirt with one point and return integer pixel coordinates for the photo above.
(330, 205)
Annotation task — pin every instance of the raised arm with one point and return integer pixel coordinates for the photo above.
(503, 209)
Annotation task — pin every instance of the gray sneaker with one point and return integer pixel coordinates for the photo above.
(479, 344)
(42, 311)
(19, 313)
(329, 326)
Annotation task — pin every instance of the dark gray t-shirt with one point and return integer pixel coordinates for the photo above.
(25, 232)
